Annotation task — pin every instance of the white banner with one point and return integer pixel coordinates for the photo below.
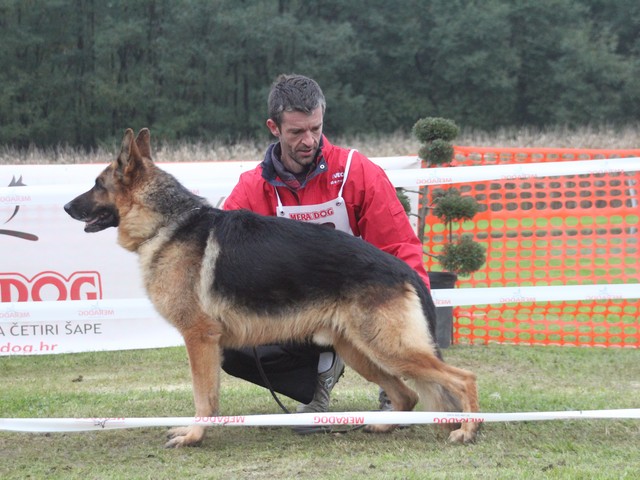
(77, 325)
(63, 290)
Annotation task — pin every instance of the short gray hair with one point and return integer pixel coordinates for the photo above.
(294, 93)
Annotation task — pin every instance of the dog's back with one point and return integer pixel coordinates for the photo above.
(270, 263)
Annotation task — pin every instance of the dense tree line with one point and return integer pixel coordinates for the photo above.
(80, 71)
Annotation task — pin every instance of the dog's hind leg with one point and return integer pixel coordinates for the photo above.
(396, 339)
(205, 358)
(445, 388)
(401, 396)
(441, 387)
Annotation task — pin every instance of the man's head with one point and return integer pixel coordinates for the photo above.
(296, 113)
(294, 93)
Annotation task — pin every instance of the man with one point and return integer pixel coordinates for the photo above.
(304, 177)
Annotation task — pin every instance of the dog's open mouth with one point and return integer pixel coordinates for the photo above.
(96, 217)
(101, 220)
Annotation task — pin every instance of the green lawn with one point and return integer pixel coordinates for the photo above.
(150, 383)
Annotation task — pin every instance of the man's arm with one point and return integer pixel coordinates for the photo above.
(383, 222)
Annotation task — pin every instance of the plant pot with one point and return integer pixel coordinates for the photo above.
(444, 315)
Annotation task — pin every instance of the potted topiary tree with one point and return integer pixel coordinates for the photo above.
(461, 255)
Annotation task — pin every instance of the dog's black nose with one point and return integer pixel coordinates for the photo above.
(69, 208)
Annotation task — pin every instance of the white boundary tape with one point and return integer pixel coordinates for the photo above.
(60, 194)
(46, 425)
(478, 173)
(137, 308)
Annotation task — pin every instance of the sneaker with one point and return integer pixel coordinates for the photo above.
(320, 403)
(385, 406)
(385, 403)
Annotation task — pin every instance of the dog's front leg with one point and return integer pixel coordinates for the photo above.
(205, 358)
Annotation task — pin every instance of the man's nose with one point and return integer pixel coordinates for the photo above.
(308, 138)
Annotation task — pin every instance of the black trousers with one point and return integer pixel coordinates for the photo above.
(291, 368)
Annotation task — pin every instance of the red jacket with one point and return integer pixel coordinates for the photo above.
(375, 213)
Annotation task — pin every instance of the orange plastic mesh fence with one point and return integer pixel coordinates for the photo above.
(568, 230)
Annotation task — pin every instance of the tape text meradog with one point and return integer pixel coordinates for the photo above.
(458, 420)
(224, 420)
(339, 420)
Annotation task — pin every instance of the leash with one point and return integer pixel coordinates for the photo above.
(266, 381)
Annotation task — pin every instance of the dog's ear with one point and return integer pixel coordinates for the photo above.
(143, 141)
(129, 154)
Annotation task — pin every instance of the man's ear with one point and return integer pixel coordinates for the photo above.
(273, 128)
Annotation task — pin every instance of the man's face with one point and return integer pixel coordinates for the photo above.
(299, 137)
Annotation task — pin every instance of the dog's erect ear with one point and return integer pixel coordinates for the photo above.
(125, 148)
(143, 141)
(129, 153)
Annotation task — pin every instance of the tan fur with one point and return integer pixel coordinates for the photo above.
(382, 335)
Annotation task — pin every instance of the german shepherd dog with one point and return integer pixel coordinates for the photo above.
(235, 278)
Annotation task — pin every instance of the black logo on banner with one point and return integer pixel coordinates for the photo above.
(15, 233)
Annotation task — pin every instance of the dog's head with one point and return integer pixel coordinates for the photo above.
(112, 194)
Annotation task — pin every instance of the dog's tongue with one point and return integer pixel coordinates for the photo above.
(88, 223)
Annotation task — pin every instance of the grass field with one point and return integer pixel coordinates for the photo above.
(156, 383)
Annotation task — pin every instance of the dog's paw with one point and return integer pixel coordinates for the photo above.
(379, 428)
(450, 427)
(184, 437)
(462, 436)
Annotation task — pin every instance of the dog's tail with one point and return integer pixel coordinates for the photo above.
(433, 396)
(428, 309)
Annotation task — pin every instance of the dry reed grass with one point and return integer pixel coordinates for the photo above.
(398, 143)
